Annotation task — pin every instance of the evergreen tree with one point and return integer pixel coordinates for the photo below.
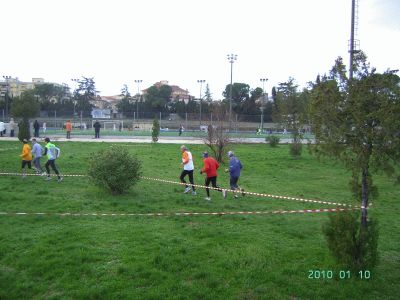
(207, 94)
(357, 122)
(26, 106)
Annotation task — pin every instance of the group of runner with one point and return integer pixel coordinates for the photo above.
(210, 167)
(36, 152)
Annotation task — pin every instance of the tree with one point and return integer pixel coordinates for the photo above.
(217, 138)
(85, 93)
(249, 105)
(356, 121)
(156, 99)
(125, 105)
(26, 106)
(155, 130)
(289, 110)
(53, 97)
(207, 94)
(240, 93)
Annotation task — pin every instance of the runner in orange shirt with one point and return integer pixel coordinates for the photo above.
(26, 156)
(210, 168)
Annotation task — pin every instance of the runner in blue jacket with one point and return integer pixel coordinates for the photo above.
(235, 166)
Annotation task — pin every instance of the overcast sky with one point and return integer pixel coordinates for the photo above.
(183, 41)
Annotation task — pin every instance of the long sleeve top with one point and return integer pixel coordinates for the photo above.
(210, 167)
(26, 152)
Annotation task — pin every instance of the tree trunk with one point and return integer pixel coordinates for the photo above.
(364, 197)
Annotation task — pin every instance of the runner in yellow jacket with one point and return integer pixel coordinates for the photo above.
(26, 156)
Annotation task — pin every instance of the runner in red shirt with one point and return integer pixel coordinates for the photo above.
(210, 168)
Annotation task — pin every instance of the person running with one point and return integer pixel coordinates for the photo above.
(52, 153)
(234, 171)
(37, 153)
(188, 167)
(210, 168)
(68, 128)
(44, 127)
(26, 156)
(96, 126)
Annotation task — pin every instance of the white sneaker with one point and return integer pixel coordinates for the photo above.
(60, 179)
(235, 196)
(43, 174)
(187, 190)
(48, 178)
(194, 193)
(224, 193)
(207, 198)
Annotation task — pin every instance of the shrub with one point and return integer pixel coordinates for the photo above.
(351, 246)
(23, 131)
(114, 169)
(155, 131)
(273, 140)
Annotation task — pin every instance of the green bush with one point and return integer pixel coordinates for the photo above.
(23, 131)
(155, 131)
(273, 140)
(352, 247)
(114, 169)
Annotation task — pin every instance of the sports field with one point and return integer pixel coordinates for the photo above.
(121, 256)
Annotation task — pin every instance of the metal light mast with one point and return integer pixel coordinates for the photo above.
(354, 44)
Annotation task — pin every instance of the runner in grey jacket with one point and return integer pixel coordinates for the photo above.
(37, 153)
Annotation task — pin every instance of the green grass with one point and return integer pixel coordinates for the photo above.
(170, 133)
(194, 257)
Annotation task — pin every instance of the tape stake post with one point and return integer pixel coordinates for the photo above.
(211, 188)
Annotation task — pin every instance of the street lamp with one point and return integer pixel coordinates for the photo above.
(138, 82)
(263, 80)
(7, 78)
(231, 59)
(201, 81)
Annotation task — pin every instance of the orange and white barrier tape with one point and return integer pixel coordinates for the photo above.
(211, 188)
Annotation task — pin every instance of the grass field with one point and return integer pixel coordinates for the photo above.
(170, 133)
(190, 257)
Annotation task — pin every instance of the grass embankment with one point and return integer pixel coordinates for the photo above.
(196, 257)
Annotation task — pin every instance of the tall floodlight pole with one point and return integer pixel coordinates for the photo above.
(263, 80)
(201, 81)
(231, 59)
(138, 81)
(6, 96)
(354, 44)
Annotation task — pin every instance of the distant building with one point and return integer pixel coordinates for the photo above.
(177, 93)
(106, 102)
(15, 87)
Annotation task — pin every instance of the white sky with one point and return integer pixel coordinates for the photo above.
(182, 41)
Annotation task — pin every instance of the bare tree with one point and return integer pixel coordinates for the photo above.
(217, 138)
